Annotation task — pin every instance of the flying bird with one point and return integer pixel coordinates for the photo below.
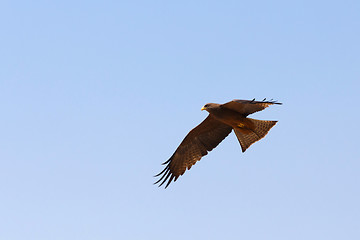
(222, 119)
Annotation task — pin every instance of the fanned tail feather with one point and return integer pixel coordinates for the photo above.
(260, 129)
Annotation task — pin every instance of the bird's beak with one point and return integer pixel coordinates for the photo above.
(203, 108)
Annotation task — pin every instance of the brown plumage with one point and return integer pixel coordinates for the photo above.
(207, 135)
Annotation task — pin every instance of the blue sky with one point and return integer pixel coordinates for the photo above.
(95, 95)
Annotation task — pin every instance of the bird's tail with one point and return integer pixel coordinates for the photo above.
(258, 130)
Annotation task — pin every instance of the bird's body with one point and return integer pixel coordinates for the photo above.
(222, 119)
(230, 117)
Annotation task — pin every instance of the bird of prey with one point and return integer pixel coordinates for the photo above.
(222, 119)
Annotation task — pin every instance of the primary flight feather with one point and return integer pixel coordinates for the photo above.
(222, 119)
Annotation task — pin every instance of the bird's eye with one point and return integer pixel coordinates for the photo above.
(206, 105)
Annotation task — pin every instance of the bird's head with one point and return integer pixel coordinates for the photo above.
(209, 106)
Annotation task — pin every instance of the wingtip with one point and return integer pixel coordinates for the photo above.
(272, 101)
(166, 162)
(269, 101)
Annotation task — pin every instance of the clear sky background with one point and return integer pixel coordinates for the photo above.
(95, 95)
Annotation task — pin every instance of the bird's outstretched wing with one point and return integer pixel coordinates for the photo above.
(203, 138)
(247, 107)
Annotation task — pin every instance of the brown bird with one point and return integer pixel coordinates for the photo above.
(207, 135)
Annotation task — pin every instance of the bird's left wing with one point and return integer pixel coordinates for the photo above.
(197, 143)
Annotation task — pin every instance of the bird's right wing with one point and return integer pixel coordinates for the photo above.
(197, 143)
(247, 107)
